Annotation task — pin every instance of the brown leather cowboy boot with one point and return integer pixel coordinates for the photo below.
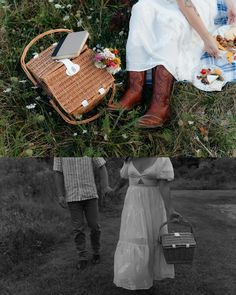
(133, 95)
(159, 109)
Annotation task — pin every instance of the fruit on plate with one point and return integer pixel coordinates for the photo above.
(217, 71)
(226, 44)
(230, 56)
(209, 76)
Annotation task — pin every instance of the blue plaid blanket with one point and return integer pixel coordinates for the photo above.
(228, 69)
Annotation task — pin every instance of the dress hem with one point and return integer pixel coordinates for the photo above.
(141, 69)
(170, 276)
(128, 288)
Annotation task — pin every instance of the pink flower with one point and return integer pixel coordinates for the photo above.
(98, 57)
(111, 63)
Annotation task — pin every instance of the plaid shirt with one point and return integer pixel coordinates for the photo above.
(78, 176)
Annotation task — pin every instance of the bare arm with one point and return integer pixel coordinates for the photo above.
(166, 195)
(104, 179)
(60, 188)
(190, 12)
(231, 5)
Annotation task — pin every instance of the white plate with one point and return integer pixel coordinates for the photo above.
(215, 86)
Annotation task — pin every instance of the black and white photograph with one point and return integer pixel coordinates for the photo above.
(99, 226)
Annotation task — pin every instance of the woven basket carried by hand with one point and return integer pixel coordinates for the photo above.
(178, 247)
(71, 96)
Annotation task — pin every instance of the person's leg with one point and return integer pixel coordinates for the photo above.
(136, 52)
(91, 213)
(77, 218)
(133, 93)
(159, 109)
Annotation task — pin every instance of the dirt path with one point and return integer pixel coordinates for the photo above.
(212, 273)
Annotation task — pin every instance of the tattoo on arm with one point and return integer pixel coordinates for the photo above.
(189, 4)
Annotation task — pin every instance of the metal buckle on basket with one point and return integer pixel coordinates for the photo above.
(177, 234)
(187, 245)
(173, 246)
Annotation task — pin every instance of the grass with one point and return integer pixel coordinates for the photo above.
(31, 222)
(213, 270)
(40, 131)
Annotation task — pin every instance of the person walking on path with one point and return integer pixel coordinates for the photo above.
(76, 189)
(139, 259)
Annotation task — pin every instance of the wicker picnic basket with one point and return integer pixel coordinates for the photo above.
(178, 247)
(67, 94)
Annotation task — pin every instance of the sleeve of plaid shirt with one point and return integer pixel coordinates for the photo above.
(99, 162)
(57, 164)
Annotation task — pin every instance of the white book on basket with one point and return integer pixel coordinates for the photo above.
(71, 45)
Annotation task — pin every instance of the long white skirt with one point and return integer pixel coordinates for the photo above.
(159, 34)
(139, 259)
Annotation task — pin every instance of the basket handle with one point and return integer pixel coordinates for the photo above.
(85, 121)
(73, 121)
(112, 95)
(26, 49)
(178, 221)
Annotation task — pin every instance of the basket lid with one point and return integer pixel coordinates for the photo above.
(178, 239)
(79, 93)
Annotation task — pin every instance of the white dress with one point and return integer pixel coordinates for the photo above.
(159, 34)
(139, 259)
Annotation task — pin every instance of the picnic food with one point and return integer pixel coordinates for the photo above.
(228, 43)
(208, 76)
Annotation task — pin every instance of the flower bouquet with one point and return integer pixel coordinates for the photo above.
(107, 58)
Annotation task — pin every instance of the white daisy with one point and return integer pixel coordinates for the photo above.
(66, 17)
(31, 106)
(58, 6)
(7, 90)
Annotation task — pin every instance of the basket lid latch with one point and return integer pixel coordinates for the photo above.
(85, 103)
(101, 90)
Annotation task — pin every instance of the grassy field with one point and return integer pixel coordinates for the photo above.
(203, 124)
(51, 269)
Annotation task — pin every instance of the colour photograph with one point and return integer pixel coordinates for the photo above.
(143, 78)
